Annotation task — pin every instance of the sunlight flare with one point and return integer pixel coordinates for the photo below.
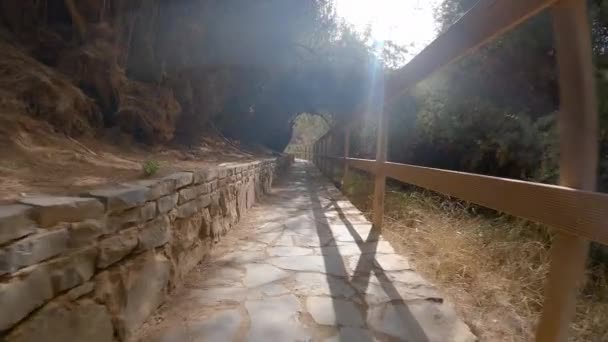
(409, 23)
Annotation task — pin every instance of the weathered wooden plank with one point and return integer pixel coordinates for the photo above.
(366, 165)
(316, 152)
(486, 20)
(328, 161)
(579, 212)
(324, 153)
(346, 153)
(578, 128)
(380, 177)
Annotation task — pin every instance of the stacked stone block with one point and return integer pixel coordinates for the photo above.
(94, 267)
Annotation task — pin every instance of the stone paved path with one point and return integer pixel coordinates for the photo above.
(305, 265)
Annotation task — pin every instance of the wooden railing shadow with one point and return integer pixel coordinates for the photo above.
(365, 267)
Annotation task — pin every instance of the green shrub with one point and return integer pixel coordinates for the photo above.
(150, 167)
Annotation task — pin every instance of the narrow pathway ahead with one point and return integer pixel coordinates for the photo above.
(305, 265)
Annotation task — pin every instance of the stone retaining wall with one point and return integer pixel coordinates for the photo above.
(93, 268)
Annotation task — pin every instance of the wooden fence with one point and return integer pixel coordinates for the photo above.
(300, 151)
(574, 209)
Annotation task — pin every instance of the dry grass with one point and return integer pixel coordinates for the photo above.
(492, 267)
(30, 87)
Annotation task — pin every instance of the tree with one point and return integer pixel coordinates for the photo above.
(490, 112)
(493, 111)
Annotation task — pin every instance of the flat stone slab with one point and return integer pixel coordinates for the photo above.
(420, 321)
(408, 277)
(317, 284)
(300, 223)
(224, 276)
(312, 240)
(385, 262)
(181, 179)
(265, 227)
(84, 320)
(273, 290)
(122, 197)
(289, 251)
(241, 257)
(311, 263)
(375, 293)
(32, 249)
(14, 222)
(352, 232)
(276, 319)
(260, 274)
(252, 246)
(352, 248)
(216, 296)
(285, 240)
(217, 328)
(51, 210)
(333, 311)
(220, 327)
(268, 238)
(393, 262)
(362, 263)
(352, 335)
(353, 216)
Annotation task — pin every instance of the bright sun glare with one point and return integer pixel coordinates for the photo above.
(406, 22)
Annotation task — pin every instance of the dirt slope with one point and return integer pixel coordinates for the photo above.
(34, 158)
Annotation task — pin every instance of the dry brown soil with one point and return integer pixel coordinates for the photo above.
(35, 159)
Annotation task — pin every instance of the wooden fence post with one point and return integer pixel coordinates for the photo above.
(578, 128)
(327, 160)
(380, 178)
(321, 151)
(327, 152)
(346, 152)
(331, 164)
(324, 155)
(320, 154)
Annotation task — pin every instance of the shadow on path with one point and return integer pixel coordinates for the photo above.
(365, 266)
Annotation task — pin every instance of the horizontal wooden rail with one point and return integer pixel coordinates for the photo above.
(578, 212)
(486, 20)
(360, 164)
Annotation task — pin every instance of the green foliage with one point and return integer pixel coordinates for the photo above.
(475, 135)
(150, 167)
(494, 111)
(308, 128)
